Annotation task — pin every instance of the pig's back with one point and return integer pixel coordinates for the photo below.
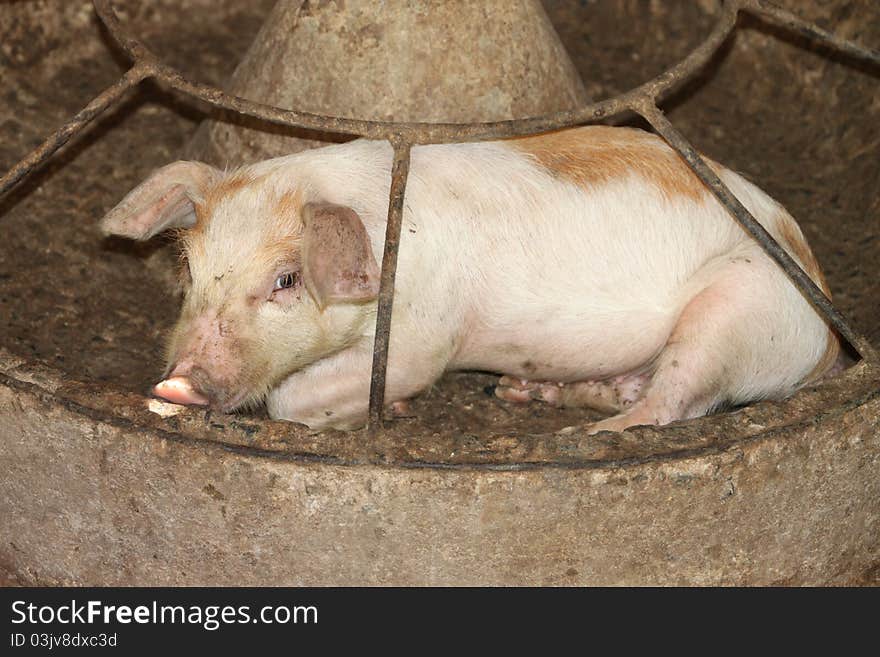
(573, 252)
(578, 245)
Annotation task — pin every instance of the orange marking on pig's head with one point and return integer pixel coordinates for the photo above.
(223, 189)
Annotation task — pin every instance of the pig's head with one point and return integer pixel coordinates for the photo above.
(273, 281)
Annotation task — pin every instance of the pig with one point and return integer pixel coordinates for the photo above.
(589, 267)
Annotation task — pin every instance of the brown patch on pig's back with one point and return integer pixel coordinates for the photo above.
(597, 155)
(792, 239)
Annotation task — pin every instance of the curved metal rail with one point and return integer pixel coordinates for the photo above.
(643, 100)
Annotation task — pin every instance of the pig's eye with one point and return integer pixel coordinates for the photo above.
(290, 279)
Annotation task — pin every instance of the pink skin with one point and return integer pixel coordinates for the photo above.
(611, 396)
(179, 390)
(681, 384)
(401, 409)
(203, 359)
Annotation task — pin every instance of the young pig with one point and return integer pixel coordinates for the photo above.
(590, 266)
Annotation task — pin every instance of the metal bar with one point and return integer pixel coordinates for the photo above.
(61, 136)
(423, 133)
(772, 13)
(399, 175)
(748, 222)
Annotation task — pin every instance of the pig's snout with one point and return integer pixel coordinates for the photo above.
(205, 368)
(180, 390)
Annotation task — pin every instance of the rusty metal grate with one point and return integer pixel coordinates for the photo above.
(642, 100)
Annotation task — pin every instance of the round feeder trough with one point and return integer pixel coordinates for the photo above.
(99, 485)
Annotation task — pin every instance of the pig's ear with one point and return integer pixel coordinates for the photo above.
(338, 261)
(162, 201)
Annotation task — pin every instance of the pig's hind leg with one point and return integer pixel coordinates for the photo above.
(721, 350)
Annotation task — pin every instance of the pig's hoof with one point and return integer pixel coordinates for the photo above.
(179, 390)
(615, 424)
(401, 409)
(618, 423)
(517, 390)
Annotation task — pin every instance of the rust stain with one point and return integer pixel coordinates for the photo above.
(597, 155)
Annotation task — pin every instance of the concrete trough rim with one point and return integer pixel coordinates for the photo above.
(855, 388)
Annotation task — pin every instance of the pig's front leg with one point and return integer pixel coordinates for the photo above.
(331, 393)
(334, 392)
(608, 396)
